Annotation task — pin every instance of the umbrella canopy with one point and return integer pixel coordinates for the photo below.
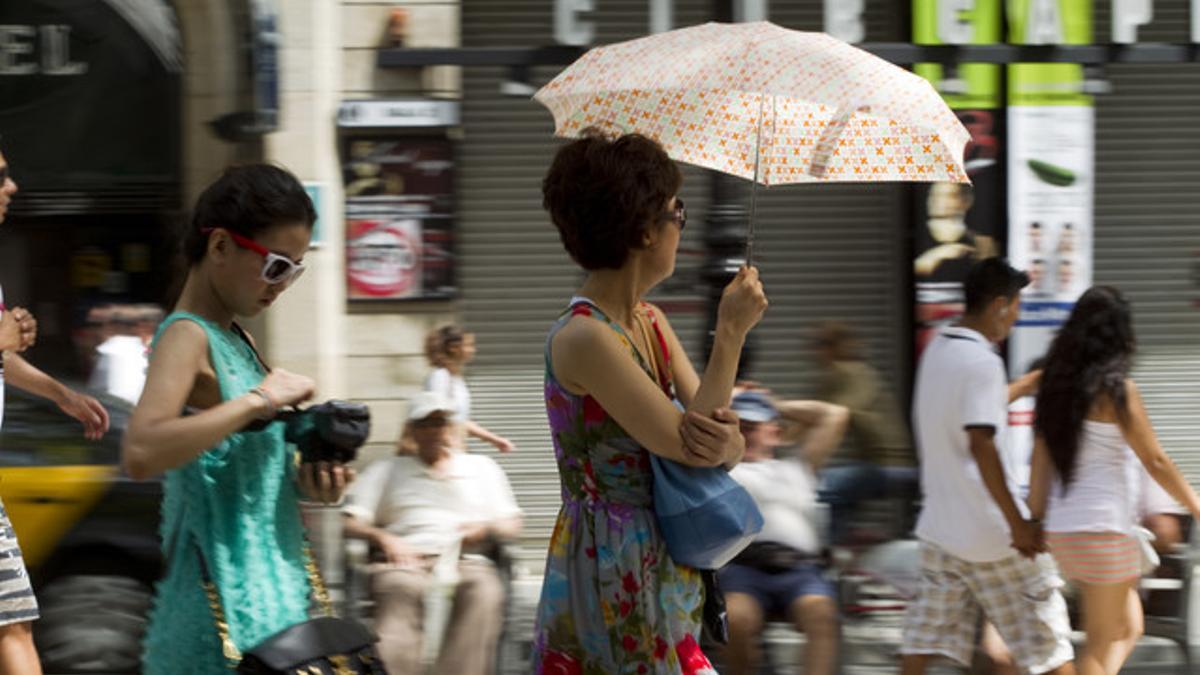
(759, 101)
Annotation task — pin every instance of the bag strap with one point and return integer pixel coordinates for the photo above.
(585, 307)
(246, 338)
(664, 377)
(230, 650)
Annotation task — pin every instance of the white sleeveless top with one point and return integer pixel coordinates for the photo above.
(1103, 494)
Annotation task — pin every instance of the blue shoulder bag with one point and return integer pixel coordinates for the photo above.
(706, 518)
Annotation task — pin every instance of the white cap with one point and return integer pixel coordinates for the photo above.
(426, 403)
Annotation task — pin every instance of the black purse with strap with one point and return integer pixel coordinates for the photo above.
(326, 645)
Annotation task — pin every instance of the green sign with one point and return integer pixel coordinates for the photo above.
(315, 190)
(1067, 22)
(976, 22)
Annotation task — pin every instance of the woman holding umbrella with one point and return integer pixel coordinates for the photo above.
(613, 599)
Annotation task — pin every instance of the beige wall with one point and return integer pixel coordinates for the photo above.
(327, 54)
(208, 90)
(371, 354)
(431, 23)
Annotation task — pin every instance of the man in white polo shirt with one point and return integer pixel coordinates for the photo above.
(979, 550)
(417, 508)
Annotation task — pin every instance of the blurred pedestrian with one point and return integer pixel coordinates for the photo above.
(781, 573)
(977, 541)
(122, 359)
(449, 350)
(18, 332)
(613, 600)
(415, 511)
(1091, 431)
(230, 497)
(878, 461)
(91, 333)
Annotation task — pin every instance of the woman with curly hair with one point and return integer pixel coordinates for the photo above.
(613, 600)
(449, 349)
(1091, 431)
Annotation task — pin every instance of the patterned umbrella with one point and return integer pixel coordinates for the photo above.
(762, 102)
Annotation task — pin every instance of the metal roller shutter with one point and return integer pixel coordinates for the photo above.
(833, 251)
(1148, 223)
(827, 252)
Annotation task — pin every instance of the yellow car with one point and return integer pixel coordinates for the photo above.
(89, 535)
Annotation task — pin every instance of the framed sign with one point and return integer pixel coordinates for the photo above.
(399, 217)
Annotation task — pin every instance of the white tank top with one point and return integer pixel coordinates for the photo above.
(1103, 494)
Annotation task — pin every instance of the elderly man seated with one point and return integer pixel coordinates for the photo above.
(780, 574)
(417, 508)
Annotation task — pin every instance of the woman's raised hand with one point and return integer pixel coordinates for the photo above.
(286, 388)
(743, 302)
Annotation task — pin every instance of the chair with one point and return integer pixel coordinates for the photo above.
(1176, 599)
(359, 605)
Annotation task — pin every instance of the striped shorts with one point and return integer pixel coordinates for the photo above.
(17, 603)
(1096, 557)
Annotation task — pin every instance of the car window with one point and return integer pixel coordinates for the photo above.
(37, 433)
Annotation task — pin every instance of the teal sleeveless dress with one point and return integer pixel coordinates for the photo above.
(238, 504)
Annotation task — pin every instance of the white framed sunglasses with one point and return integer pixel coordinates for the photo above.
(277, 268)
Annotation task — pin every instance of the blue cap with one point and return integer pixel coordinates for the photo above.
(753, 406)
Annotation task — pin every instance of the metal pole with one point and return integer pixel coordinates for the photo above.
(724, 235)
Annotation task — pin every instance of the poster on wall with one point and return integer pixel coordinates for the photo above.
(399, 218)
(957, 224)
(1051, 165)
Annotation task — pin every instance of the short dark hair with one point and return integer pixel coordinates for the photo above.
(602, 195)
(989, 279)
(247, 199)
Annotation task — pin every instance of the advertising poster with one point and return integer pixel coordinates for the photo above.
(1051, 165)
(399, 218)
(955, 224)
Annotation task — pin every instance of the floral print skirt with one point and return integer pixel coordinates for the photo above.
(613, 602)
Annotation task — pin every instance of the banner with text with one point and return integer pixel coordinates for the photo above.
(958, 224)
(1051, 164)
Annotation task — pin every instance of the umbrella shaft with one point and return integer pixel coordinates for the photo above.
(762, 99)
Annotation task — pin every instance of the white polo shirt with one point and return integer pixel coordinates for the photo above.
(405, 497)
(961, 384)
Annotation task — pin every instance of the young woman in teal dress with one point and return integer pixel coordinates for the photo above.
(613, 602)
(230, 496)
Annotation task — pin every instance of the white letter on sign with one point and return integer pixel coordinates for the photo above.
(1195, 20)
(746, 11)
(569, 29)
(660, 15)
(1127, 16)
(953, 27)
(843, 20)
(56, 52)
(1043, 26)
(15, 42)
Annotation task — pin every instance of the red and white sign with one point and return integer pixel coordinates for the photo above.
(383, 258)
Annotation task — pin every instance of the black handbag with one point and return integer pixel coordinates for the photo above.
(326, 645)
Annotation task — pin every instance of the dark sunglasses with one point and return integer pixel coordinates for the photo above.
(4, 175)
(430, 422)
(678, 215)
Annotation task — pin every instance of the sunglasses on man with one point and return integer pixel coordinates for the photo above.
(277, 269)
